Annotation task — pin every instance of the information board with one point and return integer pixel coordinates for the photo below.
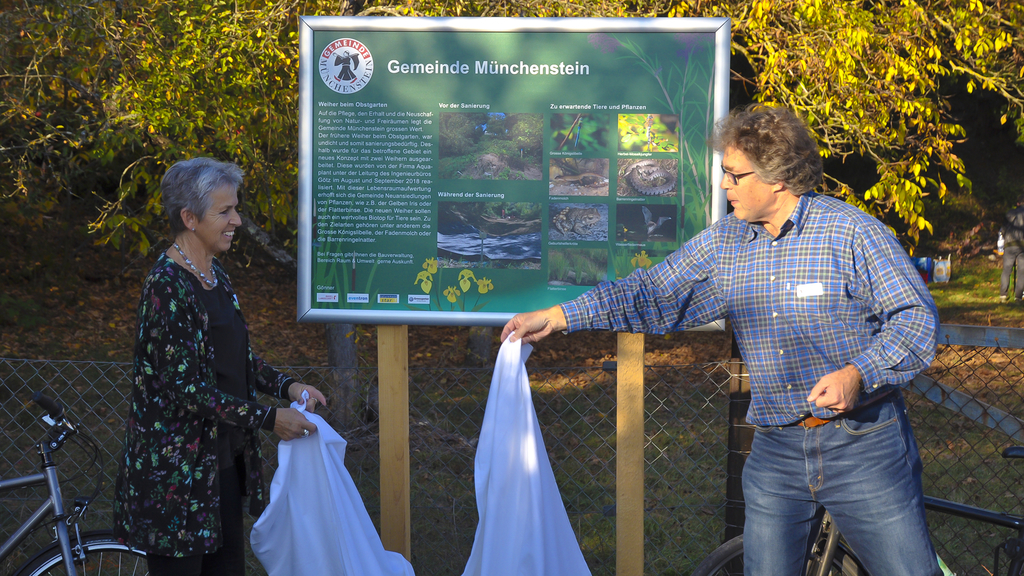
(457, 171)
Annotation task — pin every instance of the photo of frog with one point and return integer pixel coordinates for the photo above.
(587, 222)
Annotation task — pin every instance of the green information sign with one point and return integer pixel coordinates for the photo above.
(457, 171)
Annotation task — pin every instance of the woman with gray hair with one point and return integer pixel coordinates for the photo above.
(192, 451)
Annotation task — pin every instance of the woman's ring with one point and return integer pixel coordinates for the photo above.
(305, 433)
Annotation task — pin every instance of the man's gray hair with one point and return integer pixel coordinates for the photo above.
(188, 184)
(777, 143)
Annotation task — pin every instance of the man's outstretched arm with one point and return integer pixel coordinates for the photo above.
(533, 326)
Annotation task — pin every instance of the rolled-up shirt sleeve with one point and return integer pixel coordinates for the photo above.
(903, 311)
(680, 292)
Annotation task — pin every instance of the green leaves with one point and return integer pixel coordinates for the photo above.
(872, 80)
(98, 98)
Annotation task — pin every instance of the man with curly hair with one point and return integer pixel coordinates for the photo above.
(830, 316)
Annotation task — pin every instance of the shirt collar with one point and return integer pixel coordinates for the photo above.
(793, 224)
(796, 220)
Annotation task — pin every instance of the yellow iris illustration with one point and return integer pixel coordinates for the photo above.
(641, 260)
(464, 279)
(452, 293)
(427, 280)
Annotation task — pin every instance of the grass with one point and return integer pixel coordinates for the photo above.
(972, 295)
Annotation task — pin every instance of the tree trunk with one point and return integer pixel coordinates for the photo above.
(343, 397)
(272, 248)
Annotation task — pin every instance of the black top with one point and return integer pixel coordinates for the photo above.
(1013, 230)
(227, 335)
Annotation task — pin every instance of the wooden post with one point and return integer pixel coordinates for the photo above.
(740, 437)
(629, 457)
(393, 385)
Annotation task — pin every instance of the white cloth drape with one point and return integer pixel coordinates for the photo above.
(316, 523)
(524, 529)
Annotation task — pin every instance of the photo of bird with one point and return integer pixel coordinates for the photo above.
(646, 223)
(654, 224)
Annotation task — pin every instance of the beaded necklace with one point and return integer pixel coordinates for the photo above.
(210, 283)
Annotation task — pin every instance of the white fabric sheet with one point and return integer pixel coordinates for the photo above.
(316, 523)
(523, 529)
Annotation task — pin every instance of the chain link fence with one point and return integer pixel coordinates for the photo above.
(963, 409)
(966, 409)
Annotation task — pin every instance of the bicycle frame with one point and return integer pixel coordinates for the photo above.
(975, 513)
(1015, 556)
(53, 507)
(824, 548)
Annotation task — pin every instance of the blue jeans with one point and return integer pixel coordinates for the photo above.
(864, 469)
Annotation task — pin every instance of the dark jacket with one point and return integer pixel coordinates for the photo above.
(167, 498)
(1013, 230)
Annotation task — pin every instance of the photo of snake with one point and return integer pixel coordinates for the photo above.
(648, 177)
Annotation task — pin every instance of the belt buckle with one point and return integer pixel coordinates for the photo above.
(812, 422)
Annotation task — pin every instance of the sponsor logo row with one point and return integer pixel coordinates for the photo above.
(355, 298)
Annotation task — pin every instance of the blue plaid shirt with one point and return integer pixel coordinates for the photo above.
(834, 288)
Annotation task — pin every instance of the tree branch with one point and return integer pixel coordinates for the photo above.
(268, 244)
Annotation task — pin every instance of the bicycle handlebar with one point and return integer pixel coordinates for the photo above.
(1014, 452)
(52, 407)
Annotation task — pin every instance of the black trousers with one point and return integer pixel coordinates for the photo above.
(229, 559)
(1013, 254)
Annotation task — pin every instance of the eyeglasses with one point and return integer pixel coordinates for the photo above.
(734, 179)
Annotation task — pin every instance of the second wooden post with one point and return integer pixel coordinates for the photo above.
(393, 386)
(629, 457)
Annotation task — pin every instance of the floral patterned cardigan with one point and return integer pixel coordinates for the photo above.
(167, 498)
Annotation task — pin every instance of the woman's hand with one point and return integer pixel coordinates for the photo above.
(290, 424)
(295, 395)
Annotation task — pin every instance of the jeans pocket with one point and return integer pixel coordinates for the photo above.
(872, 418)
(764, 429)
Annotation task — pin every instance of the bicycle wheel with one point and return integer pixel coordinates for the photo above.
(727, 560)
(103, 555)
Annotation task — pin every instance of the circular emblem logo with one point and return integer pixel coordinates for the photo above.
(346, 65)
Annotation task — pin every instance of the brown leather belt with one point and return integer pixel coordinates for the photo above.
(812, 422)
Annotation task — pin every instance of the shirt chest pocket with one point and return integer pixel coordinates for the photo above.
(814, 302)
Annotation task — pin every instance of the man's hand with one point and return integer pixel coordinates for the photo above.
(838, 390)
(295, 395)
(533, 326)
(290, 424)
